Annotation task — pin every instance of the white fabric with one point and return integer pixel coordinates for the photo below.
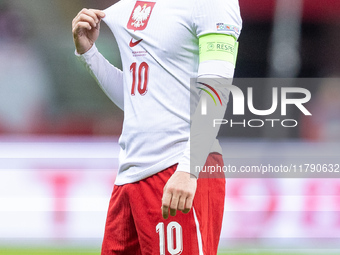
(199, 235)
(215, 73)
(109, 78)
(157, 124)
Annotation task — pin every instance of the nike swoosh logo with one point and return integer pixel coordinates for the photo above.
(133, 44)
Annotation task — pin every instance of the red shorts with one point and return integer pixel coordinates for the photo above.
(135, 224)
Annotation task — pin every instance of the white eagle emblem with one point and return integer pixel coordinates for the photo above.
(139, 15)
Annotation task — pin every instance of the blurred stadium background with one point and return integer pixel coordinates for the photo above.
(59, 132)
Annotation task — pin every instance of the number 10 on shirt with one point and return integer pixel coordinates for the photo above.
(140, 79)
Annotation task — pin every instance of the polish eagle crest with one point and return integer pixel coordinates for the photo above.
(140, 14)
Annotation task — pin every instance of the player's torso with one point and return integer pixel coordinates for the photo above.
(159, 51)
(162, 30)
(159, 48)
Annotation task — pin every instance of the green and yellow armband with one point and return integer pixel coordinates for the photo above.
(218, 47)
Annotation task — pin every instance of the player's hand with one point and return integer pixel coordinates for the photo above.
(178, 194)
(85, 29)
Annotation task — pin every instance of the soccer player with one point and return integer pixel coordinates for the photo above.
(163, 44)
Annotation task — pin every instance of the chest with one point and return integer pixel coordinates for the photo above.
(158, 28)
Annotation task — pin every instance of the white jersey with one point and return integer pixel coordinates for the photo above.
(158, 43)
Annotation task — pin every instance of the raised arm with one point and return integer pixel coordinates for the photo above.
(86, 29)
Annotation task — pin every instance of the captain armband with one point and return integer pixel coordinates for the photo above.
(218, 47)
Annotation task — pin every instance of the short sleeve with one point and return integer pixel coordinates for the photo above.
(217, 16)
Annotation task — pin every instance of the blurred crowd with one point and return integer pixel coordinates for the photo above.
(44, 90)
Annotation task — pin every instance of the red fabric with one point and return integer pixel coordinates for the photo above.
(209, 205)
(260, 10)
(135, 211)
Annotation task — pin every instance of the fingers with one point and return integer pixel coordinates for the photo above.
(89, 19)
(173, 202)
(186, 211)
(188, 205)
(91, 16)
(181, 203)
(178, 194)
(174, 205)
(86, 16)
(100, 14)
(166, 203)
(185, 204)
(82, 25)
(169, 200)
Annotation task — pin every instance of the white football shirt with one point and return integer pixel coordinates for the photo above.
(159, 47)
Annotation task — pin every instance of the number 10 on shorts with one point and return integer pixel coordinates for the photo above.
(173, 235)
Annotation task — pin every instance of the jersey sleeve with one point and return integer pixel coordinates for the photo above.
(217, 16)
(108, 77)
(211, 18)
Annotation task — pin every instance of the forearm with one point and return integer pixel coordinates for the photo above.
(202, 132)
(108, 77)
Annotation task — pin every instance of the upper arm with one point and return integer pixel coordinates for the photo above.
(218, 25)
(216, 46)
(217, 16)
